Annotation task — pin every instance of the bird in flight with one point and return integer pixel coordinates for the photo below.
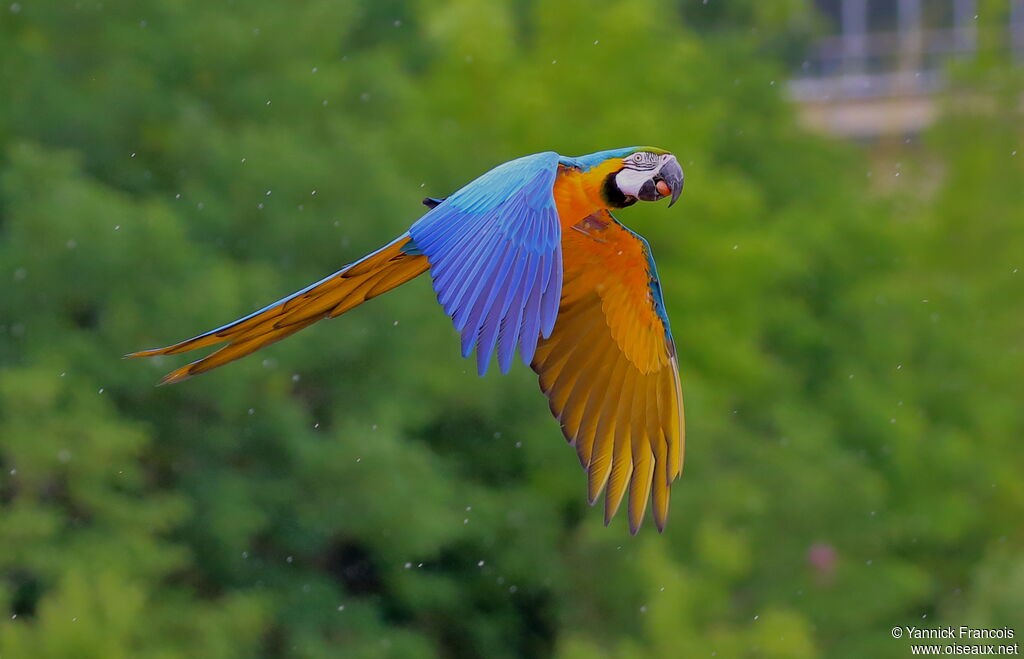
(529, 256)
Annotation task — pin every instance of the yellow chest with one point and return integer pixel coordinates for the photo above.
(578, 194)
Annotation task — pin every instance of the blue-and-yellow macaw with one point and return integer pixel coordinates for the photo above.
(529, 255)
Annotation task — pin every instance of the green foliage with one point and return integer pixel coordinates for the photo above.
(357, 491)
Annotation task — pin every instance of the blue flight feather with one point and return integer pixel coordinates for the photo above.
(495, 256)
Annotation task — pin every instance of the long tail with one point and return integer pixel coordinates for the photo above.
(379, 272)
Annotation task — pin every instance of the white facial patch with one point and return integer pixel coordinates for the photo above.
(631, 180)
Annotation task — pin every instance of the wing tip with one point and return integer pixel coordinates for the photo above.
(661, 498)
(527, 352)
(482, 363)
(596, 480)
(610, 509)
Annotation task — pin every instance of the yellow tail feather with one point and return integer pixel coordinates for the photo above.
(377, 273)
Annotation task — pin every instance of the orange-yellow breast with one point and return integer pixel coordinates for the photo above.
(578, 194)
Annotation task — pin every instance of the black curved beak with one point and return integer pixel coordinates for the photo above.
(672, 174)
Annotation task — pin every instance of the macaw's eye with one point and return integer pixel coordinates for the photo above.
(642, 160)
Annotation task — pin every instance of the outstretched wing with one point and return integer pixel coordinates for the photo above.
(495, 258)
(609, 369)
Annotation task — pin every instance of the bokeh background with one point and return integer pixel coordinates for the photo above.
(843, 274)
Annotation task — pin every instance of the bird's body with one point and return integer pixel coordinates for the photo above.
(529, 257)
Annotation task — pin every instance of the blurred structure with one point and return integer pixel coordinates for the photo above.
(877, 70)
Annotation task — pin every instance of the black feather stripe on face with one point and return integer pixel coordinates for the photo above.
(642, 161)
(612, 195)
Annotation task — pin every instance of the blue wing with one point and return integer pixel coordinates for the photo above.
(494, 249)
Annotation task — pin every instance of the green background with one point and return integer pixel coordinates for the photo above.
(850, 328)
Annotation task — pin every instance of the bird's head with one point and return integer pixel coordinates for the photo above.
(647, 174)
(638, 173)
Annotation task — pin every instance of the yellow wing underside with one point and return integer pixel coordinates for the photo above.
(610, 373)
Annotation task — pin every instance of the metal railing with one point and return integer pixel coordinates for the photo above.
(905, 62)
(859, 63)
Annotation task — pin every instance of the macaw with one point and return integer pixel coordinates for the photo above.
(529, 255)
